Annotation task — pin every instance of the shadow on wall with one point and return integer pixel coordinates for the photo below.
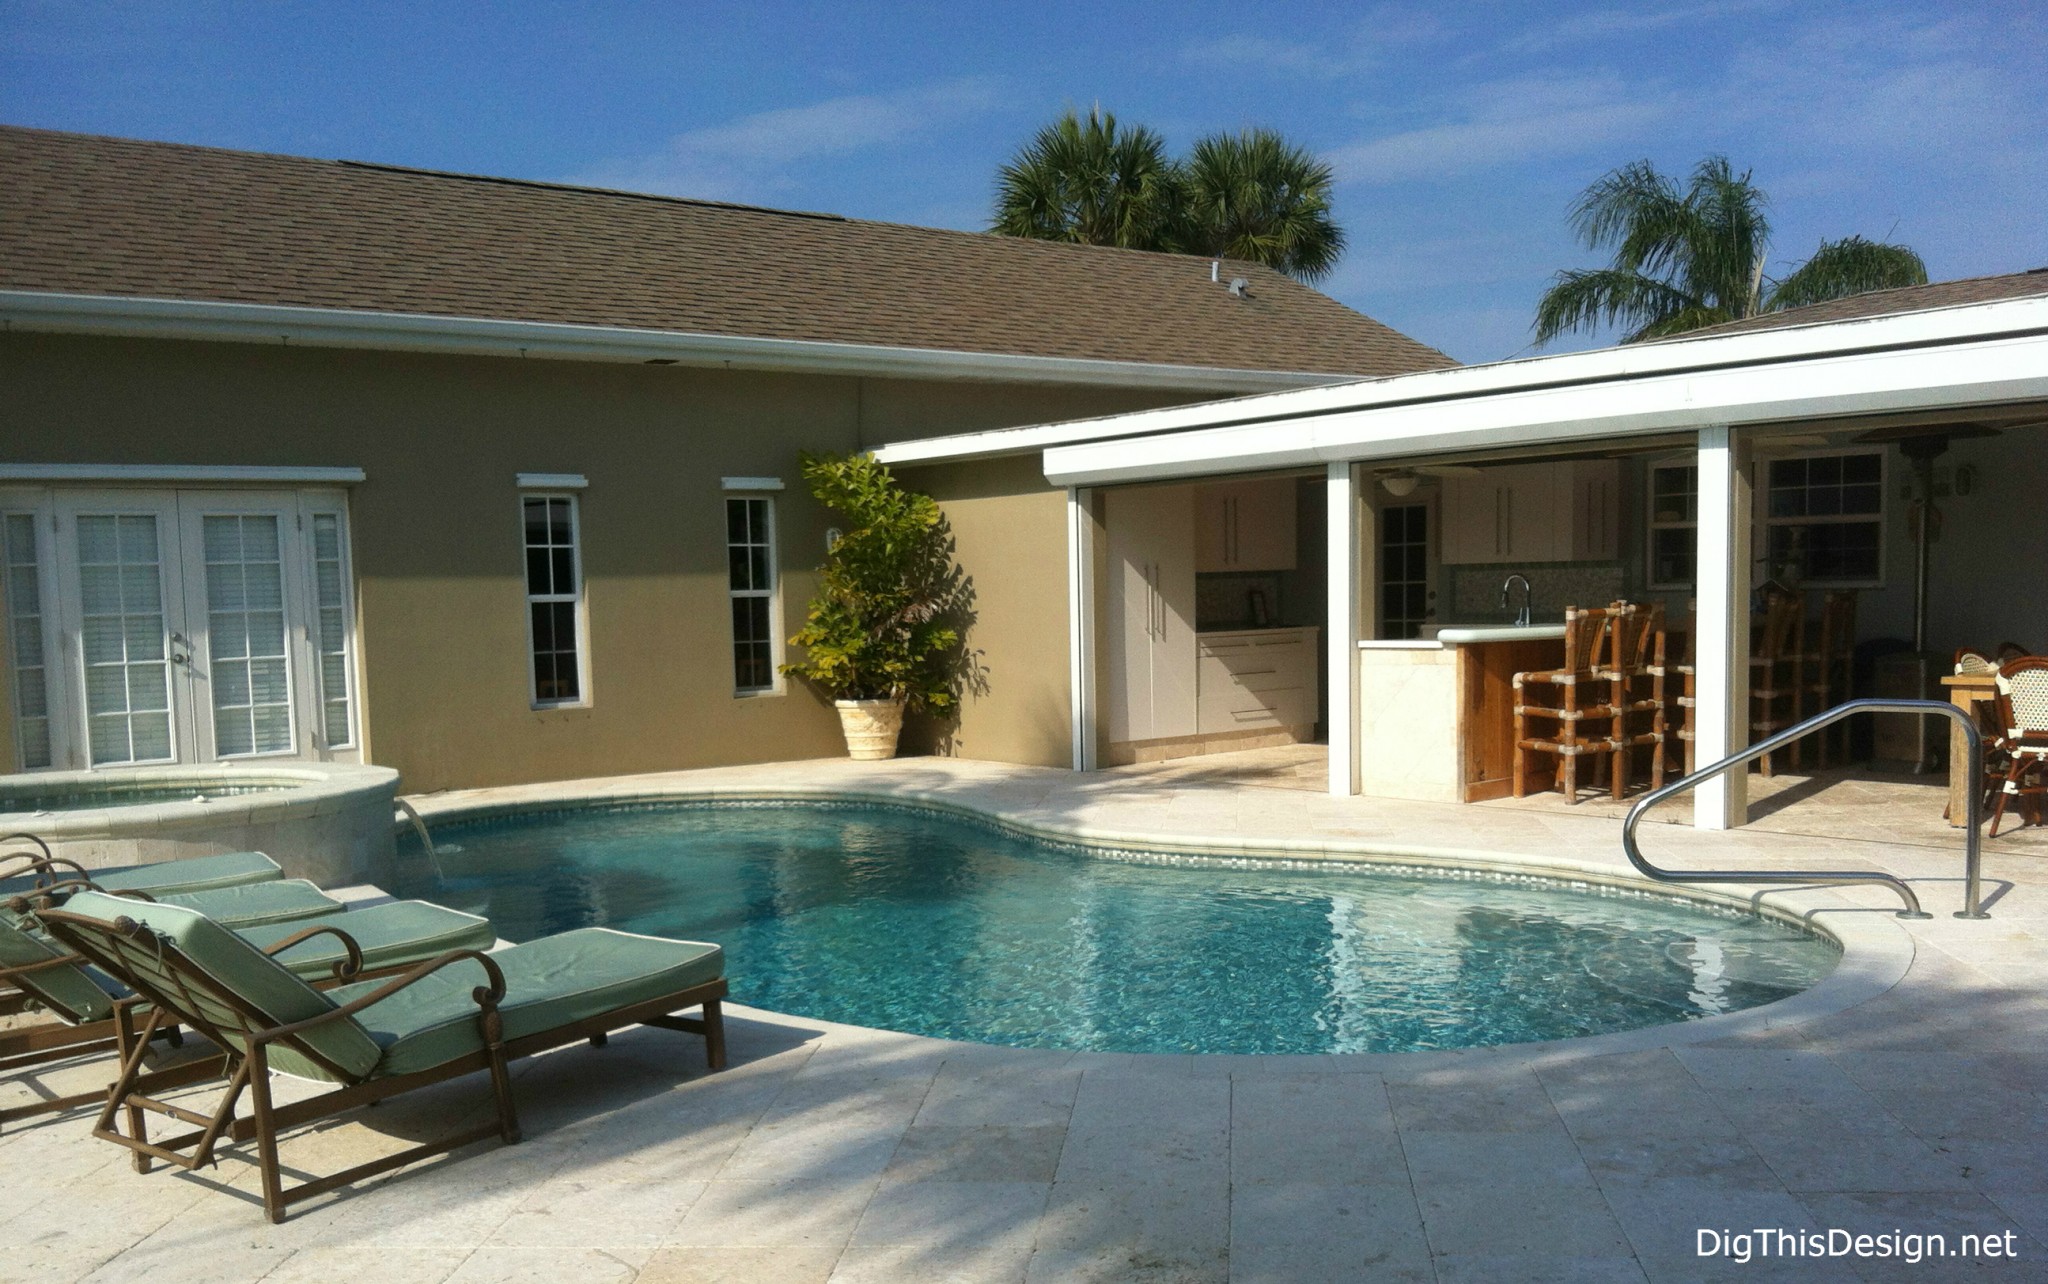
(964, 666)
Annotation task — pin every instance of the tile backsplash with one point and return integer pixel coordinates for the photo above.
(1474, 596)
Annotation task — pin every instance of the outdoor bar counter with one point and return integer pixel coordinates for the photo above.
(1437, 716)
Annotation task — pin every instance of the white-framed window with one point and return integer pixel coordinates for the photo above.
(23, 589)
(557, 631)
(1674, 522)
(332, 629)
(750, 585)
(1823, 518)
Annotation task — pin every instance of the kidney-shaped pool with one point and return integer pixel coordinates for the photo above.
(912, 920)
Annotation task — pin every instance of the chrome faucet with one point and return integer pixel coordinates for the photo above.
(1522, 616)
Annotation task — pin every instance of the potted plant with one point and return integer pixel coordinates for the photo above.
(882, 635)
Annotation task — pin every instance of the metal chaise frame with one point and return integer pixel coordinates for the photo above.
(248, 1043)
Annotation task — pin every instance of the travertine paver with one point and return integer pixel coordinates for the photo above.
(832, 1153)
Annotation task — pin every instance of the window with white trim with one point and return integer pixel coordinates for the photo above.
(554, 599)
(750, 560)
(330, 631)
(24, 594)
(1824, 519)
(1674, 524)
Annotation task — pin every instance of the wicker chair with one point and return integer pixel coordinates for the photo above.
(1638, 673)
(1777, 672)
(2023, 715)
(1588, 665)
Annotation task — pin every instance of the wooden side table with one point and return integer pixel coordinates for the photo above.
(1966, 691)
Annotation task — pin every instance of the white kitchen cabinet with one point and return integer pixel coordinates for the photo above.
(1257, 678)
(1555, 512)
(1149, 536)
(1245, 525)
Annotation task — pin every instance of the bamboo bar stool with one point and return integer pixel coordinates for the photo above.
(1777, 672)
(1638, 698)
(1833, 657)
(2023, 709)
(1588, 641)
(1686, 697)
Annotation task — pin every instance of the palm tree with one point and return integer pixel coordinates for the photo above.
(1683, 260)
(1091, 182)
(1252, 195)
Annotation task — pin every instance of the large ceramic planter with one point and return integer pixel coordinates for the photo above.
(871, 727)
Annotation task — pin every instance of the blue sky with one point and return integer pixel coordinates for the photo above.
(1459, 133)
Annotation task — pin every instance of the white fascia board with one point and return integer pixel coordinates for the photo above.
(285, 475)
(1921, 378)
(1960, 323)
(43, 312)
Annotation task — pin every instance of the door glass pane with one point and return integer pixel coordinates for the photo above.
(246, 635)
(126, 670)
(24, 594)
(332, 640)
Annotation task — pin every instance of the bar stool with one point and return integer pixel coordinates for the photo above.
(1640, 711)
(1686, 698)
(1777, 671)
(1588, 641)
(2023, 709)
(1832, 656)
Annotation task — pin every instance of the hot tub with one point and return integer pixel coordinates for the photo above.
(325, 822)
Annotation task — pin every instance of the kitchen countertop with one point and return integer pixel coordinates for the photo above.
(1249, 631)
(1466, 634)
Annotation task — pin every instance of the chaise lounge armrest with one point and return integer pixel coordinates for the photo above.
(487, 996)
(344, 968)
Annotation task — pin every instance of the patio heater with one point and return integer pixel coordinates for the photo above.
(1918, 743)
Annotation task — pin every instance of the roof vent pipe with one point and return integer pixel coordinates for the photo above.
(1215, 270)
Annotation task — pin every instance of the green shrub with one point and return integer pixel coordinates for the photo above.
(887, 619)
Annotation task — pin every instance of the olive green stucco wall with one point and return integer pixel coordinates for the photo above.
(436, 531)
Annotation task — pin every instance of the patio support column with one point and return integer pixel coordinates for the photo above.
(1721, 624)
(1342, 624)
(1081, 624)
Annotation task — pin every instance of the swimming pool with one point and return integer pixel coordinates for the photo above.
(931, 924)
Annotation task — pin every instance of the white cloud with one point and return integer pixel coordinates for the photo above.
(754, 155)
(1601, 25)
(1507, 121)
(1366, 44)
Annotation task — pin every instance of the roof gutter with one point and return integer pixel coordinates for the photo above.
(1951, 376)
(1619, 365)
(135, 317)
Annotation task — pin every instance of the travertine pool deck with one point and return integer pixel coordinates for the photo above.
(833, 1153)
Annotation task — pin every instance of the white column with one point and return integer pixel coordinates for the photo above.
(1341, 627)
(1721, 621)
(1081, 625)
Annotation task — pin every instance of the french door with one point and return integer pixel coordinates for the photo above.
(185, 626)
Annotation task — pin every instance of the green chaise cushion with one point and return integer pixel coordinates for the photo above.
(70, 992)
(549, 983)
(389, 934)
(169, 877)
(255, 904)
(256, 981)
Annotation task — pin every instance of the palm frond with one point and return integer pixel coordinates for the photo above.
(1727, 236)
(1589, 298)
(1848, 266)
(1088, 181)
(1254, 196)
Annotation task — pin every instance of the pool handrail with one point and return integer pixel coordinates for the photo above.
(1973, 854)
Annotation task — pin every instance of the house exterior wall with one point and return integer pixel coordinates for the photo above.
(436, 530)
(1010, 530)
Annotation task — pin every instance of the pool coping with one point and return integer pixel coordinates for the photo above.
(1876, 951)
(309, 789)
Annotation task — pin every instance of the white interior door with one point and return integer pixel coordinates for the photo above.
(243, 671)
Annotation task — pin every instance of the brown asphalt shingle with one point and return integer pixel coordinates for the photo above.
(91, 215)
(1880, 303)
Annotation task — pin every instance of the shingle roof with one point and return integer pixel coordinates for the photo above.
(1879, 303)
(92, 215)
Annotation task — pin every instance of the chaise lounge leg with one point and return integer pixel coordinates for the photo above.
(714, 1033)
(257, 1067)
(501, 1077)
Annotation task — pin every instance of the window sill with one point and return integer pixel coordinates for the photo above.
(562, 706)
(765, 693)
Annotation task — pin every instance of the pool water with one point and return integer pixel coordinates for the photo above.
(918, 922)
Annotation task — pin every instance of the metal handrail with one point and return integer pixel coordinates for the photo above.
(1973, 855)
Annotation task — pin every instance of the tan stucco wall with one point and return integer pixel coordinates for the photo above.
(1010, 531)
(437, 537)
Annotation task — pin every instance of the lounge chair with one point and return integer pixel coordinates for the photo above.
(22, 871)
(380, 940)
(372, 1040)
